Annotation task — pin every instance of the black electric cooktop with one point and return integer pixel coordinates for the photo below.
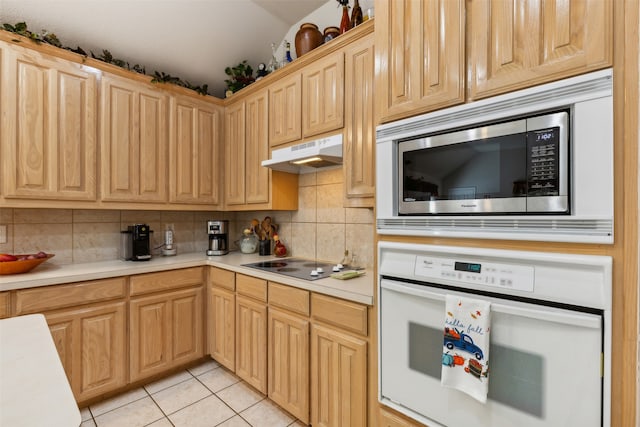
(295, 267)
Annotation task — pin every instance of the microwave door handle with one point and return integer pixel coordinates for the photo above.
(555, 315)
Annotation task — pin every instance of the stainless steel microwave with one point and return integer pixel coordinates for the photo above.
(518, 166)
(533, 164)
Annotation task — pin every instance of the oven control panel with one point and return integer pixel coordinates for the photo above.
(511, 276)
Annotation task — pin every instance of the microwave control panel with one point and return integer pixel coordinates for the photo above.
(496, 275)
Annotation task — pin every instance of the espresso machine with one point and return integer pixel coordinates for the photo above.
(135, 244)
(218, 237)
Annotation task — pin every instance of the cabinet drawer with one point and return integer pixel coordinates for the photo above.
(290, 298)
(4, 305)
(53, 297)
(222, 278)
(251, 287)
(155, 282)
(344, 314)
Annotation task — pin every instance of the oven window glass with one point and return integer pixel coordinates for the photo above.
(516, 376)
(482, 169)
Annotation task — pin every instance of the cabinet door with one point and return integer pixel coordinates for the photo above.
(285, 110)
(288, 371)
(323, 95)
(195, 151)
(517, 44)
(359, 130)
(149, 335)
(390, 419)
(257, 148)
(5, 305)
(47, 127)
(222, 343)
(419, 56)
(234, 126)
(165, 331)
(338, 378)
(187, 326)
(251, 342)
(134, 138)
(91, 345)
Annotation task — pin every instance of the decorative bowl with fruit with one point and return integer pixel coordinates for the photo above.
(14, 264)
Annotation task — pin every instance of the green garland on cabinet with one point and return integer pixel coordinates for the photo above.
(106, 56)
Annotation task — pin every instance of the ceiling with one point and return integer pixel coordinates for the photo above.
(194, 40)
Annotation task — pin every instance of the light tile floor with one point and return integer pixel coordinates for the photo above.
(206, 395)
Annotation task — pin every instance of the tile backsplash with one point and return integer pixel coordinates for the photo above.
(321, 227)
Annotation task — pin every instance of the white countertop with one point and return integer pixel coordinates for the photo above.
(34, 390)
(358, 290)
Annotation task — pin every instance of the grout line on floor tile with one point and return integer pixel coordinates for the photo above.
(165, 418)
(216, 392)
(244, 419)
(234, 414)
(219, 398)
(161, 379)
(118, 407)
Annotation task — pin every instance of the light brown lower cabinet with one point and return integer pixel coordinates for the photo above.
(165, 331)
(222, 329)
(288, 356)
(387, 418)
(91, 345)
(5, 307)
(88, 325)
(338, 378)
(251, 342)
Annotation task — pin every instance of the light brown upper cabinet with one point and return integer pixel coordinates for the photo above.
(134, 140)
(419, 56)
(247, 130)
(359, 129)
(323, 95)
(47, 126)
(257, 148)
(307, 102)
(234, 154)
(249, 185)
(516, 44)
(285, 110)
(195, 152)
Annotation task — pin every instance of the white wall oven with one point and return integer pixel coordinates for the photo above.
(550, 341)
(535, 164)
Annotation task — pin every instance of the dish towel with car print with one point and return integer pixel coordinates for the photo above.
(465, 353)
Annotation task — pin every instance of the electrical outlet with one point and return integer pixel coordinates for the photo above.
(3, 234)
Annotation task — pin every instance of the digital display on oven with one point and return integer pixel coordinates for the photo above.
(467, 266)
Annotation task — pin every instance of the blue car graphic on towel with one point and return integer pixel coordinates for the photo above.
(455, 338)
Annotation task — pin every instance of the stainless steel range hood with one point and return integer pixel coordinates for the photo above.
(308, 156)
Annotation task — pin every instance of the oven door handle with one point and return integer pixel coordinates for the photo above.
(513, 308)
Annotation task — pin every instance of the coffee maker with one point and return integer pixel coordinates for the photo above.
(218, 237)
(135, 243)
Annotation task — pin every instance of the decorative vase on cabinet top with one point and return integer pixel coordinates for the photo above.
(356, 15)
(331, 33)
(308, 38)
(345, 23)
